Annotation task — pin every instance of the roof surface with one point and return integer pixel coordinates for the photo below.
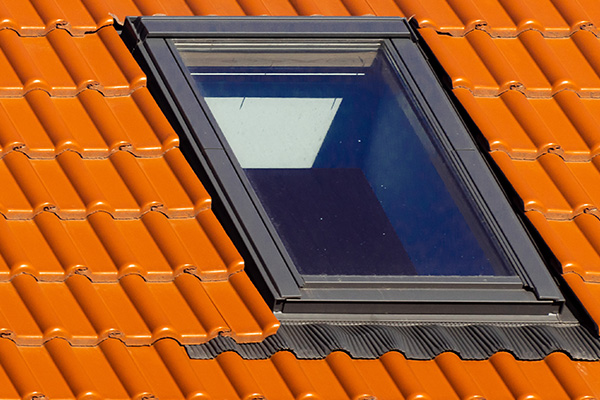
(111, 256)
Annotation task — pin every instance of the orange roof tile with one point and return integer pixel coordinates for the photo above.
(91, 124)
(524, 128)
(110, 253)
(106, 231)
(99, 61)
(123, 185)
(105, 249)
(558, 189)
(133, 309)
(499, 18)
(529, 63)
(113, 370)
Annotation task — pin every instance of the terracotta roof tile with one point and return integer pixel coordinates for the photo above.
(587, 293)
(560, 190)
(575, 243)
(565, 124)
(133, 310)
(163, 370)
(100, 61)
(105, 249)
(529, 63)
(34, 18)
(95, 126)
(558, 18)
(506, 18)
(123, 185)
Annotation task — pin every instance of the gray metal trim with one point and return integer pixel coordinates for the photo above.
(416, 341)
(270, 27)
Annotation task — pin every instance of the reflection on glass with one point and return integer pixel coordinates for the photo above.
(335, 153)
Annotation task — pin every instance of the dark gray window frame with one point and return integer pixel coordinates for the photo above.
(532, 293)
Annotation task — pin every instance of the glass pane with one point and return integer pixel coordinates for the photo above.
(339, 158)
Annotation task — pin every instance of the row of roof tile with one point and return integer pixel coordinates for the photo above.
(163, 370)
(507, 18)
(91, 124)
(133, 310)
(537, 66)
(560, 190)
(105, 249)
(526, 128)
(99, 61)
(575, 243)
(123, 185)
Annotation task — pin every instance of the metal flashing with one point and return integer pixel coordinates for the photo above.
(423, 341)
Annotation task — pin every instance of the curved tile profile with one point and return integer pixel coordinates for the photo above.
(133, 310)
(537, 66)
(507, 18)
(122, 185)
(561, 18)
(525, 128)
(101, 62)
(113, 370)
(95, 126)
(560, 190)
(587, 293)
(105, 249)
(37, 18)
(575, 243)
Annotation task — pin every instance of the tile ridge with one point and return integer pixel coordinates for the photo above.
(74, 94)
(548, 73)
(65, 26)
(555, 149)
(482, 25)
(81, 270)
(518, 125)
(21, 147)
(138, 216)
(77, 70)
(523, 90)
(96, 87)
(112, 128)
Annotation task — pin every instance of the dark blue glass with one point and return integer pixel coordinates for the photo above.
(343, 166)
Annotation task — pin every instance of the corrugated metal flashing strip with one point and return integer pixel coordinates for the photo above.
(415, 341)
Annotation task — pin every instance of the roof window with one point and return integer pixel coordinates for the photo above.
(340, 167)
